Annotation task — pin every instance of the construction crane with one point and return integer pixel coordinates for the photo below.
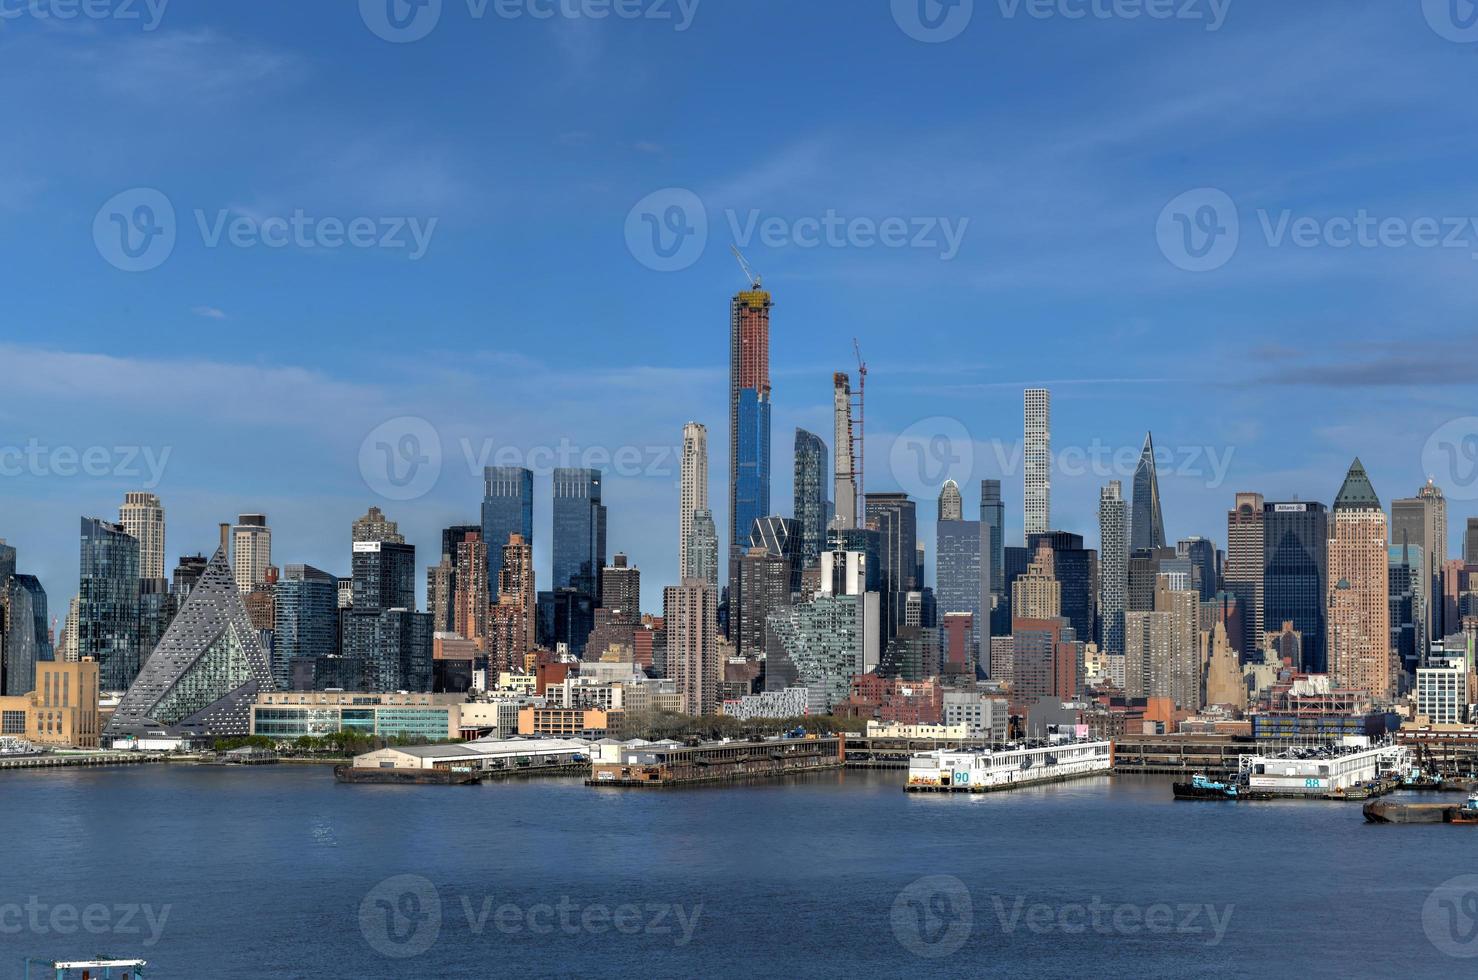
(859, 421)
(749, 273)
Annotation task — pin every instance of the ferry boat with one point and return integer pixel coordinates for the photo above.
(100, 968)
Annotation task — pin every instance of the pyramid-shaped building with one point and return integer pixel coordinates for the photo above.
(206, 671)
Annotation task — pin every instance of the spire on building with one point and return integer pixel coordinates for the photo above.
(1356, 493)
(1147, 525)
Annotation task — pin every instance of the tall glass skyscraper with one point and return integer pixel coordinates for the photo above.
(1295, 560)
(897, 526)
(305, 619)
(1113, 565)
(579, 531)
(1147, 526)
(993, 523)
(958, 574)
(507, 508)
(108, 602)
(749, 414)
(810, 495)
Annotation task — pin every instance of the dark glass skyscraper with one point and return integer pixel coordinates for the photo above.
(384, 575)
(579, 531)
(749, 415)
(993, 523)
(810, 495)
(1072, 566)
(781, 538)
(958, 573)
(1295, 557)
(306, 617)
(897, 526)
(507, 508)
(1146, 524)
(108, 602)
(1202, 555)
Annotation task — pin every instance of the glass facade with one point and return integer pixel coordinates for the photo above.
(306, 619)
(108, 602)
(752, 464)
(387, 721)
(818, 645)
(384, 575)
(897, 527)
(579, 531)
(507, 508)
(1295, 559)
(810, 495)
(957, 568)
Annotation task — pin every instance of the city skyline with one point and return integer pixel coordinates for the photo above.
(1321, 335)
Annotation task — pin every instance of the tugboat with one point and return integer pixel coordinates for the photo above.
(1202, 788)
(1468, 812)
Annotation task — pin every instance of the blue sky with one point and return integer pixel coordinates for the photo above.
(1054, 143)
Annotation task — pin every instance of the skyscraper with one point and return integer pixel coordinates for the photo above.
(375, 526)
(251, 553)
(693, 492)
(762, 587)
(507, 508)
(1113, 564)
(690, 620)
(703, 548)
(749, 413)
(897, 524)
(1201, 553)
(844, 453)
(579, 531)
(305, 621)
(384, 575)
(142, 516)
(512, 620)
(1246, 568)
(1359, 615)
(1147, 525)
(1294, 590)
(959, 588)
(620, 589)
(108, 602)
(780, 537)
(951, 506)
(1470, 542)
(993, 523)
(1037, 459)
(1421, 521)
(1073, 567)
(810, 496)
(470, 590)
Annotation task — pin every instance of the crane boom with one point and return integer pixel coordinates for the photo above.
(749, 273)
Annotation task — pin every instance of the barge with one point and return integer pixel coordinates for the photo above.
(669, 764)
(405, 777)
(1383, 811)
(955, 771)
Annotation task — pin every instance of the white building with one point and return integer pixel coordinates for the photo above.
(693, 495)
(1037, 459)
(979, 715)
(1442, 692)
(142, 516)
(251, 551)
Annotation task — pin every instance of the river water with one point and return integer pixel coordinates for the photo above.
(278, 871)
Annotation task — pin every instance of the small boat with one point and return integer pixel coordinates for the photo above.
(1201, 787)
(106, 968)
(1468, 812)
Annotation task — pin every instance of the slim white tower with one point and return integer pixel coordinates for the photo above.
(694, 492)
(142, 516)
(1037, 460)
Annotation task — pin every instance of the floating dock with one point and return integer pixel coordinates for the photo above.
(953, 771)
(707, 762)
(1352, 771)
